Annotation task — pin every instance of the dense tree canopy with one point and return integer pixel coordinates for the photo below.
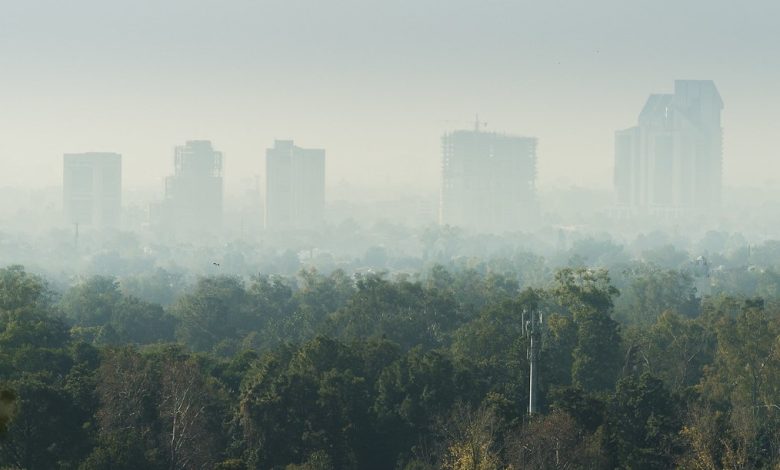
(423, 371)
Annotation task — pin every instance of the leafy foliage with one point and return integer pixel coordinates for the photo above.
(326, 371)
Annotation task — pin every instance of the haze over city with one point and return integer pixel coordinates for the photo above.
(389, 235)
(375, 83)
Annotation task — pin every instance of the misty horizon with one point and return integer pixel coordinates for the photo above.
(147, 77)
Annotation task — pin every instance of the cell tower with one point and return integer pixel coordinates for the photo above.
(533, 330)
(701, 271)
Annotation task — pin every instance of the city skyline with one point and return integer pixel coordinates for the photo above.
(258, 167)
(147, 76)
(685, 126)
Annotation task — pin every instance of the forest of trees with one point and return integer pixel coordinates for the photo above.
(373, 371)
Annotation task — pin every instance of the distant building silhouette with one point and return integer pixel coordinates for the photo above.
(671, 162)
(295, 186)
(488, 180)
(92, 189)
(193, 195)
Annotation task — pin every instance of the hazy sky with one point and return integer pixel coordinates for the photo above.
(373, 82)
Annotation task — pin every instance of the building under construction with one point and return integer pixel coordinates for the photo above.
(193, 194)
(488, 181)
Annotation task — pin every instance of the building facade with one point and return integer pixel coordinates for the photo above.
(295, 186)
(92, 189)
(671, 162)
(194, 193)
(488, 181)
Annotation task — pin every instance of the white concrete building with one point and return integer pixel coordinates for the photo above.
(92, 189)
(671, 162)
(295, 186)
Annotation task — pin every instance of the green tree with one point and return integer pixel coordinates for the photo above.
(93, 302)
(21, 290)
(27, 318)
(651, 291)
(588, 295)
(216, 310)
(128, 396)
(160, 287)
(554, 441)
(596, 358)
(47, 429)
(643, 424)
(675, 349)
(7, 408)
(186, 411)
(471, 440)
(123, 451)
(404, 312)
(139, 322)
(309, 400)
(746, 362)
(557, 350)
(412, 392)
(744, 379)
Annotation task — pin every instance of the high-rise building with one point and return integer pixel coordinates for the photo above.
(671, 162)
(488, 180)
(295, 186)
(92, 189)
(193, 195)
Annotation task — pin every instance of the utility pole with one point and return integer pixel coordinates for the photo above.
(533, 330)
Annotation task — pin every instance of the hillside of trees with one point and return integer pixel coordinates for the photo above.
(379, 371)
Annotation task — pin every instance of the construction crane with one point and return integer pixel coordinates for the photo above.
(478, 125)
